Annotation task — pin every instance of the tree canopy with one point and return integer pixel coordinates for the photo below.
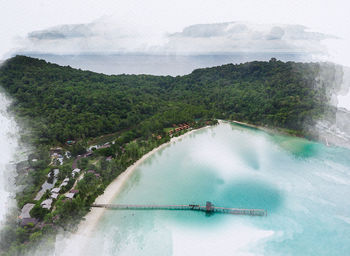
(62, 103)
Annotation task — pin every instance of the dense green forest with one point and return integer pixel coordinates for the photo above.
(62, 103)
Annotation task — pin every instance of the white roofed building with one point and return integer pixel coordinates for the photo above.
(46, 203)
(25, 213)
(75, 171)
(55, 190)
(63, 184)
(72, 193)
(54, 195)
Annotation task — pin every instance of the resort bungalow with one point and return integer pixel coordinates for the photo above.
(25, 212)
(46, 203)
(64, 182)
(72, 193)
(94, 147)
(54, 195)
(55, 190)
(55, 173)
(68, 154)
(75, 171)
(57, 158)
(60, 160)
(179, 127)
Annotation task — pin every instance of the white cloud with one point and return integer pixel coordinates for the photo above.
(106, 36)
(18, 17)
(246, 37)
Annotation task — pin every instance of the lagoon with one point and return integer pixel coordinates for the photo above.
(303, 185)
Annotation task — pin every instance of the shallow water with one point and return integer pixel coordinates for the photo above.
(303, 185)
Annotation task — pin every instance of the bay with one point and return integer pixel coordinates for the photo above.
(303, 185)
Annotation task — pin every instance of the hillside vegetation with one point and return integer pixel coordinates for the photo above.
(62, 103)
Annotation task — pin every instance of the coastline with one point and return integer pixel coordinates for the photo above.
(272, 130)
(91, 219)
(87, 226)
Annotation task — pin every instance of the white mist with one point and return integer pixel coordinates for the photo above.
(9, 152)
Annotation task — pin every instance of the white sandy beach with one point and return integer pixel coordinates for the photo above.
(87, 226)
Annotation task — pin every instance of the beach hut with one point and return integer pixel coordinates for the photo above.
(55, 190)
(72, 193)
(46, 203)
(54, 195)
(75, 171)
(63, 184)
(209, 207)
(25, 212)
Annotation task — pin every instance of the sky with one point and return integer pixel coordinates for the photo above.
(165, 26)
(18, 17)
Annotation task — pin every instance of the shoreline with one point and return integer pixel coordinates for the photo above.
(91, 219)
(273, 130)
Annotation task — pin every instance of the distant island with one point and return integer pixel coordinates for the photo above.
(87, 128)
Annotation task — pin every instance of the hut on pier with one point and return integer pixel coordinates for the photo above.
(209, 207)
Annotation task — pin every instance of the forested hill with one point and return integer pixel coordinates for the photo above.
(62, 103)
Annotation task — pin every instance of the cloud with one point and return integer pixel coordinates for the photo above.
(203, 31)
(106, 36)
(11, 152)
(276, 33)
(101, 36)
(63, 32)
(247, 37)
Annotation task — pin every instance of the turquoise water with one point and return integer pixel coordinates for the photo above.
(303, 185)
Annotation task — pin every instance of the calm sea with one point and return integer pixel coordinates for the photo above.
(303, 185)
(172, 65)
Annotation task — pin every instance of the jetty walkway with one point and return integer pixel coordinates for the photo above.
(208, 208)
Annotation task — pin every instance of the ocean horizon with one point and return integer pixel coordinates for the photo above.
(172, 65)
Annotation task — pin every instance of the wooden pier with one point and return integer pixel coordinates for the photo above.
(208, 208)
